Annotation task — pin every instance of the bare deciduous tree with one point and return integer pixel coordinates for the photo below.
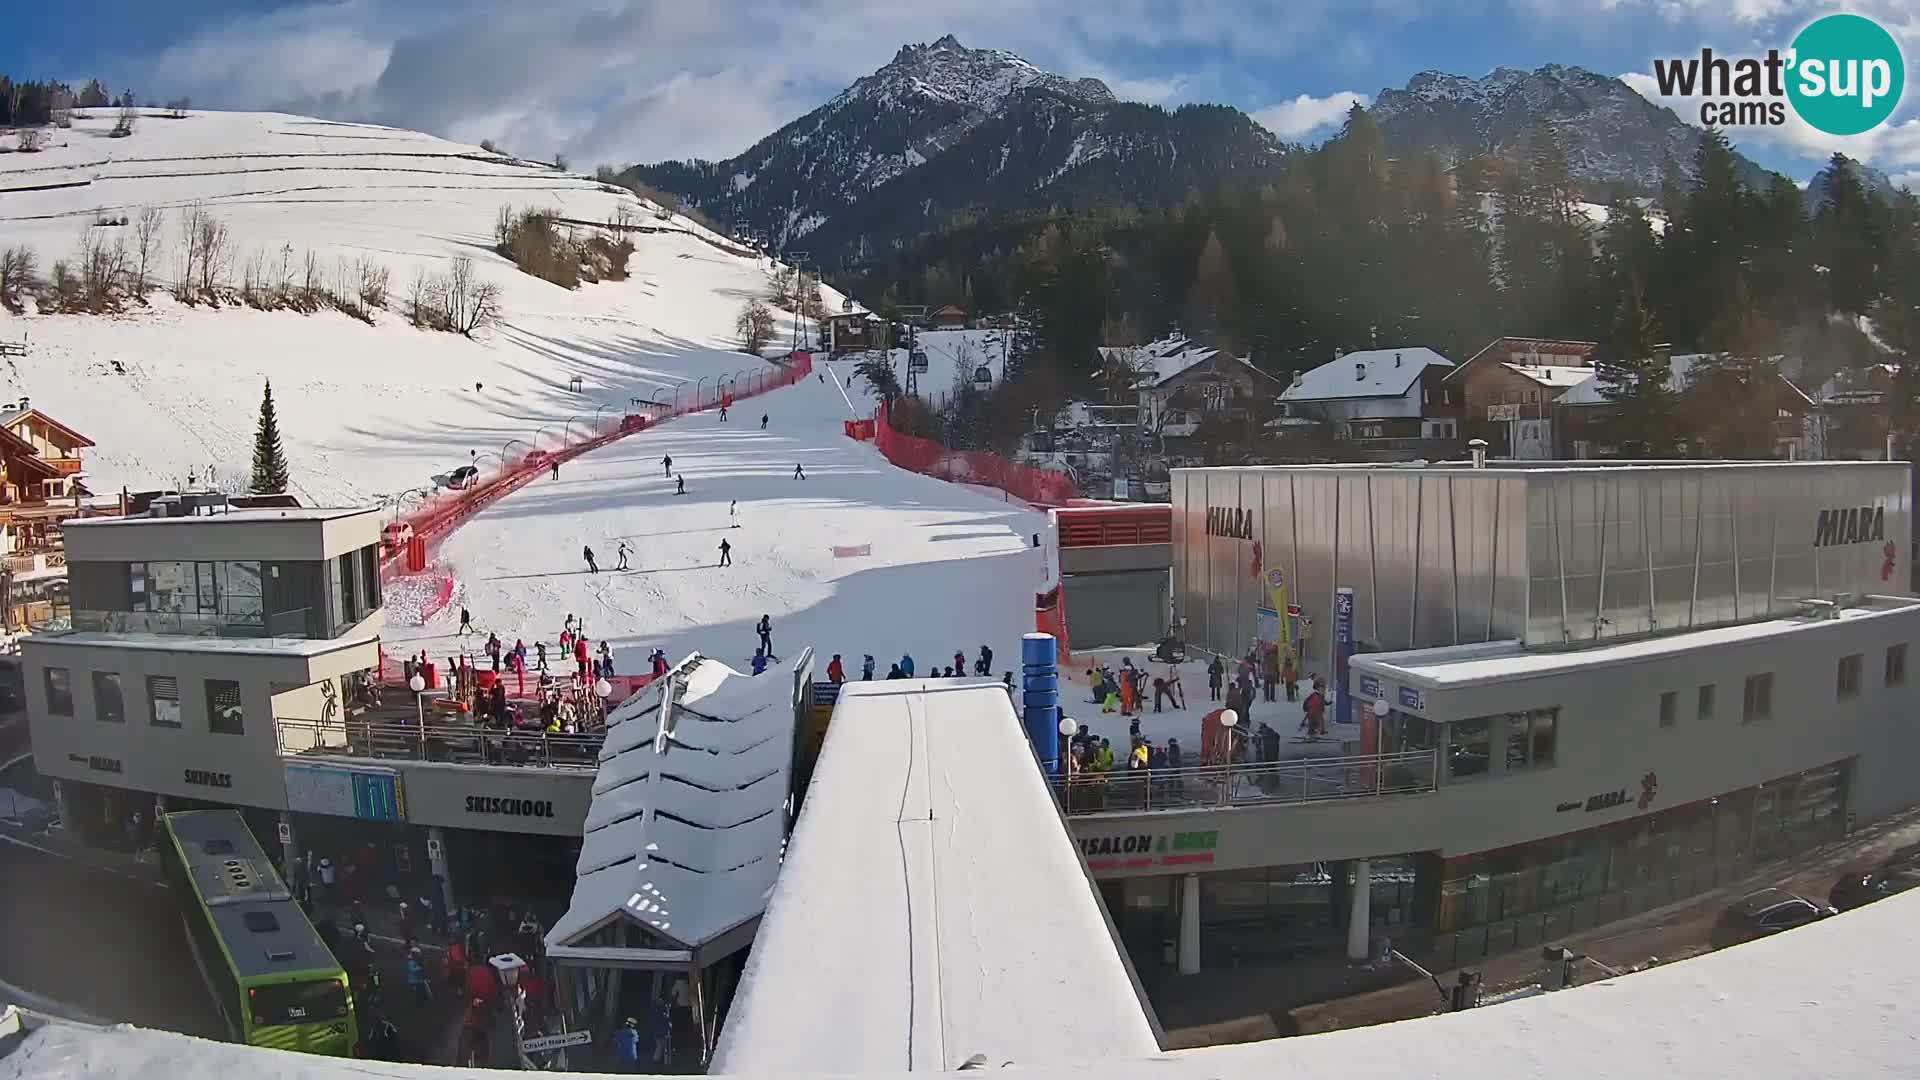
(189, 251)
(470, 303)
(373, 283)
(312, 289)
(123, 123)
(423, 309)
(29, 140)
(216, 253)
(99, 267)
(16, 276)
(146, 248)
(754, 325)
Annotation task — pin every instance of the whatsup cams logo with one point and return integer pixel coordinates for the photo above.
(1843, 75)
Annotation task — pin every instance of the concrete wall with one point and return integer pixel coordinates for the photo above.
(244, 535)
(1609, 739)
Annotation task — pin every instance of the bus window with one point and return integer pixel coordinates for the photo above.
(297, 1003)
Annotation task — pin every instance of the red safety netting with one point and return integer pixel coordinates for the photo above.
(439, 515)
(1042, 487)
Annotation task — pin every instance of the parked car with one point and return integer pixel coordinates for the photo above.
(397, 535)
(1764, 913)
(1857, 888)
(458, 479)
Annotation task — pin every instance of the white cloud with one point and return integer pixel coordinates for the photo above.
(1890, 147)
(1307, 114)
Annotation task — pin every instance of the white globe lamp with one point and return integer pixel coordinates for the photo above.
(1381, 709)
(1069, 726)
(417, 684)
(1229, 718)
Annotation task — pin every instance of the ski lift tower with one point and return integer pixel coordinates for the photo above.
(798, 260)
(914, 314)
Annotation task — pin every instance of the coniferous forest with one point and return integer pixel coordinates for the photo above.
(1346, 246)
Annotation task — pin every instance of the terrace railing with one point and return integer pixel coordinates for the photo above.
(1303, 780)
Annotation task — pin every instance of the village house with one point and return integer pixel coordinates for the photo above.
(1381, 403)
(1508, 391)
(1190, 396)
(948, 318)
(854, 331)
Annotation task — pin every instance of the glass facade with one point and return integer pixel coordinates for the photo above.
(1775, 818)
(229, 597)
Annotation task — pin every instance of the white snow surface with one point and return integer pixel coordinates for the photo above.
(363, 410)
(1834, 999)
(684, 833)
(948, 569)
(932, 906)
(1369, 373)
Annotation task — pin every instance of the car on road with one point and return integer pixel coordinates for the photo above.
(1857, 888)
(1765, 913)
(397, 534)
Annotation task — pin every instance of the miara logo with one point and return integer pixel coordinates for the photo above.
(1229, 521)
(1852, 525)
(1843, 74)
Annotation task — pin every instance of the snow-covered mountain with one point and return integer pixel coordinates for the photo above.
(943, 129)
(1614, 138)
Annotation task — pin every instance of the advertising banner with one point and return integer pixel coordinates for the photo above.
(1277, 586)
(1342, 653)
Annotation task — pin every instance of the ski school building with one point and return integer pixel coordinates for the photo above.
(1562, 693)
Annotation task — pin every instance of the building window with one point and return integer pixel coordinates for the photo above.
(1897, 665)
(108, 705)
(1758, 702)
(1446, 396)
(1470, 746)
(224, 714)
(1705, 707)
(1847, 681)
(1530, 738)
(1669, 708)
(59, 691)
(163, 692)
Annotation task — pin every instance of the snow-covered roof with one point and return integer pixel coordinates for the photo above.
(932, 907)
(1372, 373)
(1157, 361)
(688, 816)
(1680, 368)
(1831, 999)
(1554, 376)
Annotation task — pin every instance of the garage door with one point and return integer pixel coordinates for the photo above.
(1124, 608)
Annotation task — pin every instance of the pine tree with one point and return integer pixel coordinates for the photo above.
(269, 459)
(1634, 377)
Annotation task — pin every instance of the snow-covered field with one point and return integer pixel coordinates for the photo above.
(364, 410)
(949, 568)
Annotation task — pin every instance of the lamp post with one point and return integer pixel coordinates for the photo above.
(1229, 720)
(603, 690)
(699, 396)
(418, 684)
(1069, 727)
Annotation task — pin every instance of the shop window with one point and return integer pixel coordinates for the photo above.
(109, 706)
(1757, 704)
(225, 715)
(1704, 708)
(1530, 738)
(1847, 678)
(59, 691)
(163, 696)
(1470, 747)
(1896, 665)
(1669, 708)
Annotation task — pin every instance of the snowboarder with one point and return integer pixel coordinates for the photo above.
(985, 664)
(763, 421)
(623, 549)
(466, 622)
(906, 665)
(733, 512)
(679, 484)
(765, 630)
(666, 465)
(587, 553)
(799, 473)
(759, 661)
(835, 673)
(866, 668)
(726, 552)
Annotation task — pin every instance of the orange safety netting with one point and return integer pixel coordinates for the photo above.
(1043, 487)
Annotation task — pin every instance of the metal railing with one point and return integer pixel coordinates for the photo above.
(1255, 784)
(460, 743)
(288, 624)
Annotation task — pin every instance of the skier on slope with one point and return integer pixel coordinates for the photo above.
(466, 622)
(799, 473)
(679, 485)
(765, 630)
(666, 465)
(763, 421)
(723, 414)
(866, 668)
(733, 512)
(623, 549)
(587, 553)
(984, 665)
(726, 552)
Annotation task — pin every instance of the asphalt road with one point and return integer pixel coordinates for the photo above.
(105, 943)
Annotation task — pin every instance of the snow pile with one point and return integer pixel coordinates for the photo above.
(364, 410)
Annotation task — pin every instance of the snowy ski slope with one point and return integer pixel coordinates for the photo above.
(949, 568)
(364, 410)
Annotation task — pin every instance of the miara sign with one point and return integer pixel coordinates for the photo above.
(1229, 521)
(1852, 525)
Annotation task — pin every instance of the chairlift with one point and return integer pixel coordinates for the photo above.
(983, 376)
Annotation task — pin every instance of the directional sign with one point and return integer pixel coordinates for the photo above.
(555, 1042)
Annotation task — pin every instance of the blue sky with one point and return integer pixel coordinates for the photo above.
(617, 81)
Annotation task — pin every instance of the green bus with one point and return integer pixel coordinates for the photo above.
(275, 981)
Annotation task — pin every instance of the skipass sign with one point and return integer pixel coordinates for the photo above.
(1842, 75)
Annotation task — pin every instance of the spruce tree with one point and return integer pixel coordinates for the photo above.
(1633, 376)
(269, 459)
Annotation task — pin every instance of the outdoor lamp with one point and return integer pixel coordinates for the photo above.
(1381, 708)
(1229, 718)
(416, 684)
(1069, 726)
(604, 689)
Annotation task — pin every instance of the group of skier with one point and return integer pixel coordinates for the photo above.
(904, 667)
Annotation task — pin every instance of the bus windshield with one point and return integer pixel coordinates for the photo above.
(297, 1003)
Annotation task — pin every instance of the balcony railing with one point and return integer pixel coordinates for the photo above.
(280, 624)
(1257, 784)
(461, 743)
